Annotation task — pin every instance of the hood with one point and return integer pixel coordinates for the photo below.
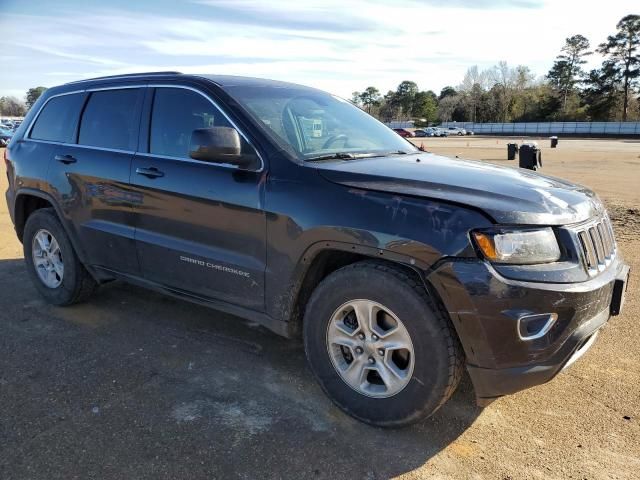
(508, 195)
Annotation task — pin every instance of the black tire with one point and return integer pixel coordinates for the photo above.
(438, 355)
(77, 284)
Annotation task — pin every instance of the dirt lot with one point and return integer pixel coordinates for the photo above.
(136, 385)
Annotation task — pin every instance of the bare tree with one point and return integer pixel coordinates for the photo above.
(12, 107)
(447, 106)
(473, 85)
(503, 79)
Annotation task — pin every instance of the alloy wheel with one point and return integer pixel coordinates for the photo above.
(47, 258)
(370, 348)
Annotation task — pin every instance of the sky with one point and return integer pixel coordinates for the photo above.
(337, 45)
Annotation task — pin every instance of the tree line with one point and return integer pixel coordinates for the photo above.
(513, 94)
(14, 107)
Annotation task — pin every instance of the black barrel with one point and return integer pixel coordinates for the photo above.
(512, 149)
(554, 142)
(530, 156)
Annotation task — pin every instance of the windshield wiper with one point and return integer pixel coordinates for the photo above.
(333, 156)
(352, 156)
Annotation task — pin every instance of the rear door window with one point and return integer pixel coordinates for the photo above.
(58, 119)
(110, 119)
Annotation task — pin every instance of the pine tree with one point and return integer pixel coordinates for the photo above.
(601, 95)
(370, 98)
(623, 50)
(567, 68)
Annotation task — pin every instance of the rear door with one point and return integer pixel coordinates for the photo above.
(91, 177)
(200, 227)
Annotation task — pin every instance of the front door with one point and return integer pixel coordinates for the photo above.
(200, 227)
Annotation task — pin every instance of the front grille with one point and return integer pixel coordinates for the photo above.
(597, 244)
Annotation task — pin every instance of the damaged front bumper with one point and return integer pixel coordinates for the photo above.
(489, 311)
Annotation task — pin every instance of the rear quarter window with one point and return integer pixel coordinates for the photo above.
(110, 119)
(57, 120)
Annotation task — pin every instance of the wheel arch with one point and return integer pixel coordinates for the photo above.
(27, 201)
(323, 258)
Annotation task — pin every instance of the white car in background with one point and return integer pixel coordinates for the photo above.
(456, 131)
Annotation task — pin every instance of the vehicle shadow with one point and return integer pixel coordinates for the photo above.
(137, 384)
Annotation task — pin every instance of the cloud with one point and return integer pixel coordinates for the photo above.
(483, 4)
(72, 56)
(331, 44)
(315, 16)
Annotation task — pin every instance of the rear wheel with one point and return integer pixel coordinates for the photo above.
(53, 266)
(380, 347)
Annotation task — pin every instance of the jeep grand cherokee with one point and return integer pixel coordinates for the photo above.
(292, 207)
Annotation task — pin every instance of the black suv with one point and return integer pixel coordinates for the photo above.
(295, 209)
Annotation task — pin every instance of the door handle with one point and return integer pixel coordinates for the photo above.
(66, 159)
(151, 172)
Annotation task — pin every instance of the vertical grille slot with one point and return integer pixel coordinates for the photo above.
(587, 250)
(606, 241)
(597, 244)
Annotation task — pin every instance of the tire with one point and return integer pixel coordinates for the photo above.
(437, 355)
(76, 284)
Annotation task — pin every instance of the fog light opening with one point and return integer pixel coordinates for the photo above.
(532, 327)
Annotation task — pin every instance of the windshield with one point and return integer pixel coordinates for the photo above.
(317, 125)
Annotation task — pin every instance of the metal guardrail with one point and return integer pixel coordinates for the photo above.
(622, 129)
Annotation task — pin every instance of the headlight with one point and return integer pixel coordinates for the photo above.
(518, 246)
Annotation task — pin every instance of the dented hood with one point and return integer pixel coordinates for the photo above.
(509, 195)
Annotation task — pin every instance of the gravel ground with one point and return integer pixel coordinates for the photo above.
(137, 385)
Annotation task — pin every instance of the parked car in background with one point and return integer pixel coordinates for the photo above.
(404, 132)
(10, 124)
(426, 132)
(5, 136)
(456, 131)
(440, 132)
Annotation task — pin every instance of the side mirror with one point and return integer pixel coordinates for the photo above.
(219, 145)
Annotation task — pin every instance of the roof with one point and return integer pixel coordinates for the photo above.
(237, 81)
(127, 75)
(223, 81)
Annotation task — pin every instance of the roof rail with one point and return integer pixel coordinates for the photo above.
(126, 75)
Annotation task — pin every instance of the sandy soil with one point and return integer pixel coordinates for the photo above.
(136, 385)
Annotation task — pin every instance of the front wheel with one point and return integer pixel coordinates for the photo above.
(380, 347)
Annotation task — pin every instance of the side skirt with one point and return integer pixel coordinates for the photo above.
(279, 327)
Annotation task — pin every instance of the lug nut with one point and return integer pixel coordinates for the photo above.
(372, 360)
(381, 351)
(361, 336)
(375, 337)
(359, 350)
